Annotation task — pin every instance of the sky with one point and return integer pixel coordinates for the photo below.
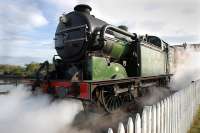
(27, 27)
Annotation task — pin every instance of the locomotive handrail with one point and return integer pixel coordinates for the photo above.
(133, 36)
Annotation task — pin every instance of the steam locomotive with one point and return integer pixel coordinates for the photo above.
(101, 64)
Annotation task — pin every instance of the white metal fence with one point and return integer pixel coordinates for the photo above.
(172, 115)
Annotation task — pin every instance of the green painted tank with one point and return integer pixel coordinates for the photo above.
(101, 70)
(116, 49)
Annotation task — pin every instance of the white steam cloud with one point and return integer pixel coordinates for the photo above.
(20, 112)
(187, 68)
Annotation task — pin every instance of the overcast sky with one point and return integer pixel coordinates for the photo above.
(27, 27)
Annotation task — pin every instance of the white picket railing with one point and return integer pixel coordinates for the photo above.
(172, 115)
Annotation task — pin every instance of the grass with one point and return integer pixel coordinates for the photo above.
(196, 124)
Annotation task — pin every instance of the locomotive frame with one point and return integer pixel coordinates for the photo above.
(94, 92)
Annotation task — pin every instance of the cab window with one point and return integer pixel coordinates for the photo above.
(154, 40)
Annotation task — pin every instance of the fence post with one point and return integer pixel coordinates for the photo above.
(178, 113)
(176, 110)
(185, 110)
(182, 111)
(158, 117)
(110, 130)
(137, 124)
(144, 120)
(172, 114)
(154, 119)
(149, 119)
(121, 128)
(162, 117)
(130, 126)
(165, 116)
(168, 115)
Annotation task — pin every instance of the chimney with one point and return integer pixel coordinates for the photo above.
(83, 8)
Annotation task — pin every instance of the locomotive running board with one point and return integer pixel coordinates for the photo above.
(125, 80)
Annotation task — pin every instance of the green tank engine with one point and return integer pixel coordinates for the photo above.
(108, 64)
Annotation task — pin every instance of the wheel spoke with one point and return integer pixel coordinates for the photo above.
(117, 102)
(111, 101)
(113, 105)
(108, 102)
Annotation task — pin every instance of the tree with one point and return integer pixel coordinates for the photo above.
(31, 69)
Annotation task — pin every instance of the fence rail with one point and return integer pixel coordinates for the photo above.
(172, 115)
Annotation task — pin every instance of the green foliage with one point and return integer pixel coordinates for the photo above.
(11, 70)
(28, 70)
(31, 69)
(18, 71)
